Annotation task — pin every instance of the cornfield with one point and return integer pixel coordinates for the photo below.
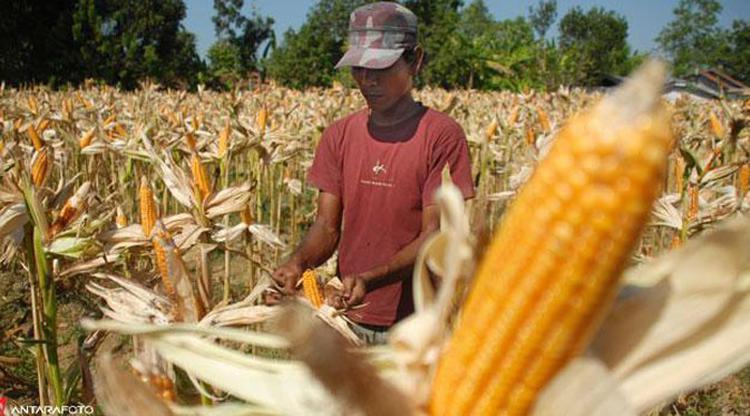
(158, 215)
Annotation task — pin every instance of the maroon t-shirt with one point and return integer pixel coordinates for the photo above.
(384, 183)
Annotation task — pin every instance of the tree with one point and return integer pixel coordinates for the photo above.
(36, 43)
(475, 20)
(125, 41)
(245, 34)
(307, 57)
(737, 57)
(438, 25)
(543, 16)
(693, 38)
(595, 43)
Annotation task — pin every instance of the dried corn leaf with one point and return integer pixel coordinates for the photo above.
(686, 322)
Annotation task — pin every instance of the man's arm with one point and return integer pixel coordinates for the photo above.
(317, 246)
(355, 286)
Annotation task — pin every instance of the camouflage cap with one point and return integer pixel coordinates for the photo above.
(378, 35)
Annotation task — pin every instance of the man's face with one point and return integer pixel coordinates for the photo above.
(382, 88)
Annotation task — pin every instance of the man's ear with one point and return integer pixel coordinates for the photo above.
(416, 66)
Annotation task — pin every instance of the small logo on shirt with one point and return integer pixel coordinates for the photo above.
(378, 168)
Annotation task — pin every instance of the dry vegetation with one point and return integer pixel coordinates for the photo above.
(172, 207)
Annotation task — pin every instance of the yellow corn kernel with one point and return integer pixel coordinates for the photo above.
(716, 128)
(174, 276)
(147, 208)
(40, 167)
(200, 177)
(35, 139)
(73, 208)
(86, 139)
(552, 269)
(311, 289)
(224, 139)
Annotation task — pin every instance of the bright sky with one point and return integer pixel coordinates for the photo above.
(645, 17)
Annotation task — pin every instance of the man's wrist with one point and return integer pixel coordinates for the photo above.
(298, 261)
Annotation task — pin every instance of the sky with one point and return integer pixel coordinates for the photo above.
(645, 17)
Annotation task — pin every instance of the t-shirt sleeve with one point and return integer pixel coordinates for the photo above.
(452, 148)
(325, 172)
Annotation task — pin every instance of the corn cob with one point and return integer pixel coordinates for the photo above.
(119, 131)
(120, 219)
(513, 117)
(40, 167)
(35, 139)
(544, 120)
(174, 276)
(530, 137)
(716, 128)
(246, 216)
(109, 119)
(190, 140)
(743, 178)
(200, 177)
(311, 289)
(43, 124)
(262, 119)
(553, 266)
(72, 209)
(164, 387)
(148, 208)
(86, 139)
(67, 105)
(33, 104)
(491, 130)
(224, 139)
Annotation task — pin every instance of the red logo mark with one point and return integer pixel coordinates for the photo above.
(3, 402)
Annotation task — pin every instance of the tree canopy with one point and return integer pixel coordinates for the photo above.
(123, 42)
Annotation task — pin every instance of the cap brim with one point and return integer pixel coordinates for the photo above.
(370, 58)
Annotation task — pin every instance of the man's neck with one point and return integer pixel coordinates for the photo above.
(403, 109)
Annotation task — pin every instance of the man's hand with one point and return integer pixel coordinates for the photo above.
(287, 275)
(354, 291)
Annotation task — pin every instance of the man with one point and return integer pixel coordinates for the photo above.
(377, 171)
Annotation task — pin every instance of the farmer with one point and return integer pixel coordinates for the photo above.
(377, 171)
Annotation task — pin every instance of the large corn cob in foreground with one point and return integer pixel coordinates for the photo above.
(553, 267)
